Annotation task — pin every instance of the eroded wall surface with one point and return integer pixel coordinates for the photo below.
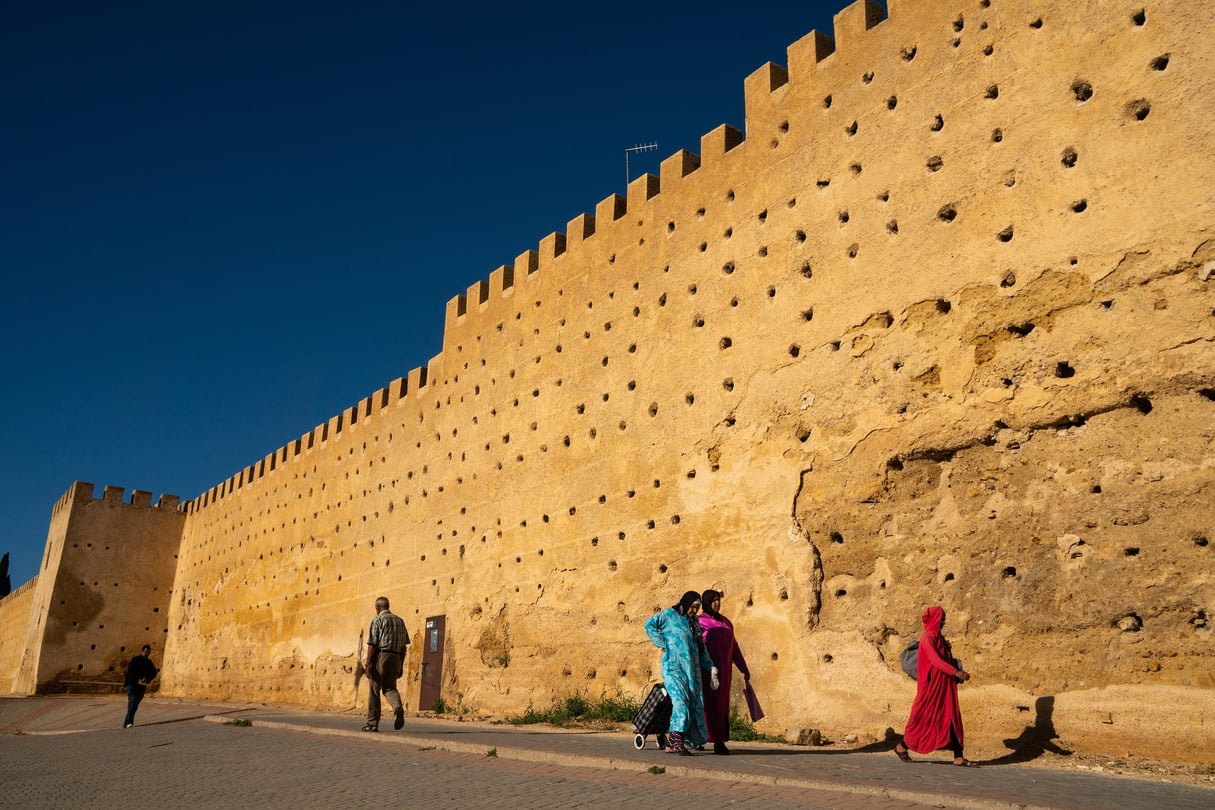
(939, 329)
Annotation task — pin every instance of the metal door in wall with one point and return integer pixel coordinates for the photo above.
(432, 662)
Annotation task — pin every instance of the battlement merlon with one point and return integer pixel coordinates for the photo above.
(502, 280)
(852, 21)
(804, 55)
(610, 208)
(479, 293)
(641, 191)
(333, 428)
(714, 145)
(526, 263)
(79, 492)
(760, 106)
(678, 166)
(579, 229)
(417, 380)
(398, 389)
(551, 247)
(457, 307)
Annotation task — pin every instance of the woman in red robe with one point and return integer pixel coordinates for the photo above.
(936, 720)
(724, 652)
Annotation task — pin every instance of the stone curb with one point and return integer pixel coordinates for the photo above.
(935, 799)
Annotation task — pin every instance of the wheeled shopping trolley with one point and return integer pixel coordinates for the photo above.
(654, 717)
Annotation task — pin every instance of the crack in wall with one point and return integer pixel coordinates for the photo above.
(815, 602)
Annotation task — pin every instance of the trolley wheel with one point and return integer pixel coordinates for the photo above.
(661, 740)
(639, 742)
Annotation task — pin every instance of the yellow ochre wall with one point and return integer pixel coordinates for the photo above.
(15, 611)
(937, 329)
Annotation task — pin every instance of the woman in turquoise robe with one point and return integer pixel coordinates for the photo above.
(677, 633)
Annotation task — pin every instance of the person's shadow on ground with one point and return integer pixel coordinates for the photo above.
(1035, 740)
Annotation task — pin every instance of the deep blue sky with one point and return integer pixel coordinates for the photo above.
(221, 223)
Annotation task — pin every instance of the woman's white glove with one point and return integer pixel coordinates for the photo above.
(714, 681)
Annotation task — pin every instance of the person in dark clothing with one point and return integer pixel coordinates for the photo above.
(725, 654)
(140, 673)
(383, 663)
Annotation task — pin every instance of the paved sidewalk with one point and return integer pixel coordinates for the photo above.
(782, 773)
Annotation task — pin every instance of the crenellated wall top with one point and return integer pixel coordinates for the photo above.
(82, 492)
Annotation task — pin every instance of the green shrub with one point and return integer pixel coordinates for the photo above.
(577, 708)
(618, 708)
(741, 729)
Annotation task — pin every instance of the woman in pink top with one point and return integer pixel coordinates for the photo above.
(723, 650)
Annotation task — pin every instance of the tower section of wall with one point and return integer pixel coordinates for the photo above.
(103, 589)
(886, 350)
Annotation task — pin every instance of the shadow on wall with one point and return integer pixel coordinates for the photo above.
(359, 671)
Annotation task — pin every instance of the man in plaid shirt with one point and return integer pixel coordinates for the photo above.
(386, 641)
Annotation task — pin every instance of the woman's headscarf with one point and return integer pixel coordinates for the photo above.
(707, 599)
(933, 618)
(686, 601)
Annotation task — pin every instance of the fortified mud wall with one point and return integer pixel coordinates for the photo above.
(16, 609)
(939, 329)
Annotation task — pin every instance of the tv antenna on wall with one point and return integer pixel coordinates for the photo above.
(641, 147)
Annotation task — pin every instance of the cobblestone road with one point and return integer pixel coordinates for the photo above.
(210, 766)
